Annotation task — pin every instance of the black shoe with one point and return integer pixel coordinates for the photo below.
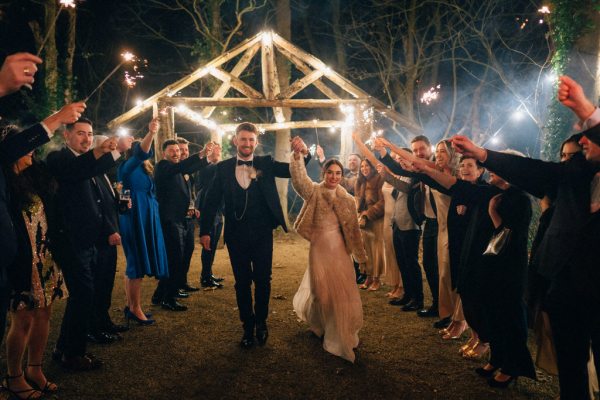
(360, 279)
(116, 328)
(262, 334)
(101, 338)
(413, 305)
(173, 305)
(428, 312)
(400, 302)
(217, 278)
(189, 289)
(442, 323)
(210, 283)
(502, 385)
(247, 340)
(485, 373)
(181, 295)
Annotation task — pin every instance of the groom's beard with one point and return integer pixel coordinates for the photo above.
(250, 152)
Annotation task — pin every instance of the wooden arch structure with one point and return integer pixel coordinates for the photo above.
(356, 104)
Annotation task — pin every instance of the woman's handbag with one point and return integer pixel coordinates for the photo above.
(497, 243)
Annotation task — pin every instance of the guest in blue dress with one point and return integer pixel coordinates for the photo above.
(141, 233)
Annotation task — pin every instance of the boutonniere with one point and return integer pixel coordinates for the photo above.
(254, 173)
(186, 177)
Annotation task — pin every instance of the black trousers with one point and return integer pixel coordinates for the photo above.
(208, 256)
(430, 258)
(4, 301)
(189, 243)
(77, 270)
(251, 258)
(506, 326)
(406, 246)
(575, 324)
(104, 272)
(175, 235)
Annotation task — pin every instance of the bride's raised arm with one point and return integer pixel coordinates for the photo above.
(301, 182)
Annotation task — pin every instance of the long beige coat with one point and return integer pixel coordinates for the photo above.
(317, 201)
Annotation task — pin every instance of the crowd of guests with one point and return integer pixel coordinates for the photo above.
(61, 220)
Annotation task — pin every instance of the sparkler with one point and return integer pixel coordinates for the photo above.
(127, 57)
(63, 4)
(431, 95)
(544, 10)
(132, 77)
(316, 130)
(373, 137)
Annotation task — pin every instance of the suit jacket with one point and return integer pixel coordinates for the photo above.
(223, 186)
(79, 203)
(172, 190)
(110, 207)
(11, 149)
(571, 183)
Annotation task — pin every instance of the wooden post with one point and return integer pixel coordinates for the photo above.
(167, 128)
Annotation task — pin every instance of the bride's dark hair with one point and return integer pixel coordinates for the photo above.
(328, 164)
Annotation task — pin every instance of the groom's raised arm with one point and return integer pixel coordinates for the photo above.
(212, 201)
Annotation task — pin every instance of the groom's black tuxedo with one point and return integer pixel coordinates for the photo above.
(250, 216)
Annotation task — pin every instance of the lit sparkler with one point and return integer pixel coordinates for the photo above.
(544, 10)
(316, 130)
(374, 135)
(431, 95)
(138, 65)
(127, 57)
(63, 4)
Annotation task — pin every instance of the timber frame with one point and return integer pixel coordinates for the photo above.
(353, 101)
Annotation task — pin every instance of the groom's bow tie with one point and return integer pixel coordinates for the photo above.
(241, 162)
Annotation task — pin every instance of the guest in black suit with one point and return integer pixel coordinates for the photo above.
(81, 220)
(177, 215)
(11, 149)
(203, 182)
(252, 210)
(567, 255)
(190, 240)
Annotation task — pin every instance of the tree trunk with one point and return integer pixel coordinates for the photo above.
(340, 49)
(282, 140)
(51, 55)
(69, 94)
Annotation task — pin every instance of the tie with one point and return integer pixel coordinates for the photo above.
(395, 194)
(241, 162)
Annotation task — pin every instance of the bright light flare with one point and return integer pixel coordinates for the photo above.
(122, 132)
(518, 115)
(495, 140)
(198, 119)
(139, 102)
(544, 10)
(552, 77)
(431, 95)
(128, 56)
(67, 3)
(267, 38)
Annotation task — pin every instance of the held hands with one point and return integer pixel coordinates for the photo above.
(571, 95)
(207, 150)
(107, 146)
(205, 242)
(17, 71)
(379, 145)
(298, 146)
(464, 146)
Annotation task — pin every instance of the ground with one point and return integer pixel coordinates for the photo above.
(195, 354)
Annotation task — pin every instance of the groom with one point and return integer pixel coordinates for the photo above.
(246, 184)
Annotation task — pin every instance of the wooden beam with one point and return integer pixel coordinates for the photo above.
(236, 83)
(237, 70)
(300, 84)
(306, 70)
(257, 103)
(184, 82)
(277, 126)
(270, 77)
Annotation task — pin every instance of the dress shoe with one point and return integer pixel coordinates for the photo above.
(81, 363)
(211, 283)
(181, 295)
(502, 384)
(217, 278)
(361, 278)
(400, 302)
(116, 328)
(101, 338)
(413, 305)
(442, 323)
(126, 312)
(189, 289)
(262, 334)
(173, 305)
(428, 312)
(485, 373)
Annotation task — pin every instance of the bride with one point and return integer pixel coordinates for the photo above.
(328, 299)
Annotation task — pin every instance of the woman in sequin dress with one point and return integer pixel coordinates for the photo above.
(35, 279)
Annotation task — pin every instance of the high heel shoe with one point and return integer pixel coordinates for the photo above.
(455, 333)
(375, 285)
(132, 316)
(502, 384)
(477, 352)
(127, 311)
(367, 283)
(47, 388)
(16, 393)
(485, 373)
(471, 343)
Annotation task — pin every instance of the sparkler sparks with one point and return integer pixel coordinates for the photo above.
(431, 95)
(127, 58)
(138, 66)
(544, 10)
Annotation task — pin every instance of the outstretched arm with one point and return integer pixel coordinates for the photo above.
(302, 184)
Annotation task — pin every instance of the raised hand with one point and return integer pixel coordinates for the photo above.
(108, 145)
(320, 153)
(299, 146)
(154, 125)
(571, 95)
(67, 115)
(17, 71)
(207, 150)
(466, 147)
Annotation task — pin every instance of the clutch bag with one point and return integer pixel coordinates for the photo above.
(497, 243)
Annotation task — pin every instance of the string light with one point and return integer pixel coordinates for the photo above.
(139, 102)
(267, 38)
(198, 119)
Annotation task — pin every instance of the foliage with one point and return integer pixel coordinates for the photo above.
(569, 20)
